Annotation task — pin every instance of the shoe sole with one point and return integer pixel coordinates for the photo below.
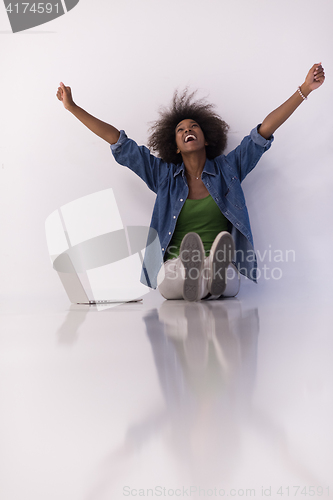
(192, 254)
(222, 253)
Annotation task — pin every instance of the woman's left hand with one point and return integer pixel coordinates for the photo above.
(315, 78)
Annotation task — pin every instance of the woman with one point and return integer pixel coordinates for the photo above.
(200, 213)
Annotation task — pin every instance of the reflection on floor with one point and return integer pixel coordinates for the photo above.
(162, 398)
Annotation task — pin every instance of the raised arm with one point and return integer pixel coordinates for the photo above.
(314, 79)
(107, 132)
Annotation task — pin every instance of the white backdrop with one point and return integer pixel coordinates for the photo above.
(123, 60)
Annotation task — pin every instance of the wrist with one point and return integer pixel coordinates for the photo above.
(71, 107)
(305, 89)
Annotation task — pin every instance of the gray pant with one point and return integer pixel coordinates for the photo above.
(171, 278)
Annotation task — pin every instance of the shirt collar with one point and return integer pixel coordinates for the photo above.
(209, 168)
(181, 168)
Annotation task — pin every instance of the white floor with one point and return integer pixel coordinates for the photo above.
(167, 399)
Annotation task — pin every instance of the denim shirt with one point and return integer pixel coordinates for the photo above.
(222, 177)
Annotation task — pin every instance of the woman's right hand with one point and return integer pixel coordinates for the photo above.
(64, 95)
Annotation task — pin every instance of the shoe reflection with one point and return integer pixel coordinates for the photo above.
(214, 345)
(205, 355)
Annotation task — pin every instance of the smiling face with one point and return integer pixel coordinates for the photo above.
(189, 137)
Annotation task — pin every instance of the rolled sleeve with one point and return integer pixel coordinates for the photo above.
(115, 148)
(245, 157)
(259, 139)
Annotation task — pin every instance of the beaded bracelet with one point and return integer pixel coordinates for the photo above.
(301, 94)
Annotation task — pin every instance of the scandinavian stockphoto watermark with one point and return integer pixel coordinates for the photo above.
(26, 15)
(270, 263)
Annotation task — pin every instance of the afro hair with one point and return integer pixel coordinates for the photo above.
(162, 132)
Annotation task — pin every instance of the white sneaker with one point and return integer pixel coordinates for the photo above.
(221, 255)
(192, 254)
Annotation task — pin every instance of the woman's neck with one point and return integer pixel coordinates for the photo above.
(194, 163)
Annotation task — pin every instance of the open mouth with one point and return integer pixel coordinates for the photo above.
(190, 138)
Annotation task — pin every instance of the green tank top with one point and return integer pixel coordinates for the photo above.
(198, 216)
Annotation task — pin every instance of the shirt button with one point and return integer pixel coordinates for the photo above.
(162, 249)
(216, 199)
(169, 232)
(208, 184)
(174, 216)
(181, 199)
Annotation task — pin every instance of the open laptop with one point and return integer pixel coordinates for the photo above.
(77, 293)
